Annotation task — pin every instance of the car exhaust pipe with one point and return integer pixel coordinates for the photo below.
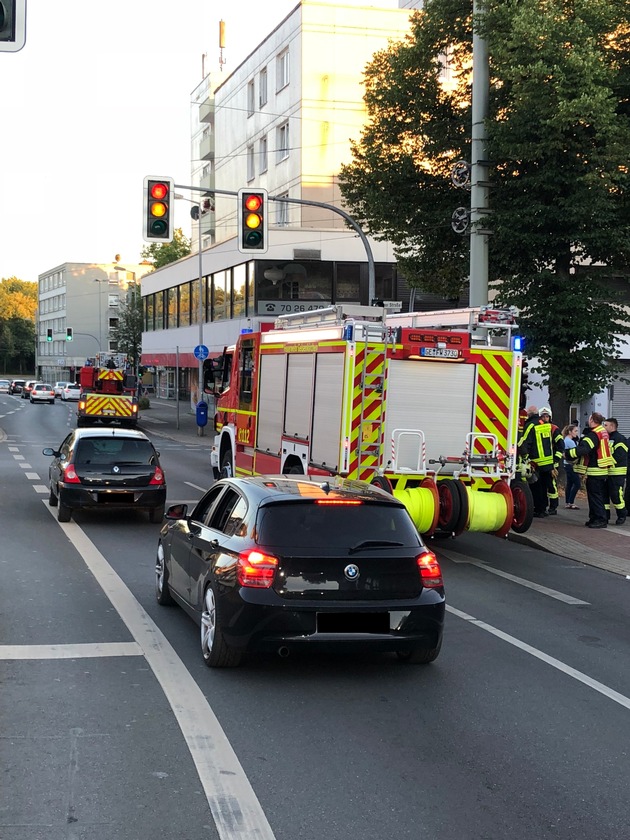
(283, 651)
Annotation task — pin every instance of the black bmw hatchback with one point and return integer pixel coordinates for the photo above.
(284, 563)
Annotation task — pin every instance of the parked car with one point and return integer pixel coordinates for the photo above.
(58, 387)
(106, 468)
(16, 386)
(282, 563)
(5, 384)
(26, 390)
(71, 391)
(42, 392)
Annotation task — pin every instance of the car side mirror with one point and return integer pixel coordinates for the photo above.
(176, 512)
(52, 453)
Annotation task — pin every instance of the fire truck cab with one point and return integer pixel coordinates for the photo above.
(108, 392)
(425, 405)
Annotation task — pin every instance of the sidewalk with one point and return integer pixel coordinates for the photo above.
(564, 534)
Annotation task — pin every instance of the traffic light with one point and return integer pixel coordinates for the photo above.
(159, 214)
(12, 25)
(49, 334)
(69, 334)
(252, 221)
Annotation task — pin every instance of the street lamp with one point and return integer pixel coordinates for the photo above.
(197, 215)
(100, 280)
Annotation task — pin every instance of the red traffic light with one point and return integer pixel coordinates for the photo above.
(158, 190)
(253, 202)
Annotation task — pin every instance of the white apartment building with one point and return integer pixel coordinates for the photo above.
(82, 297)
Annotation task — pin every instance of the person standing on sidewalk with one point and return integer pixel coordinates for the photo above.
(617, 473)
(542, 441)
(595, 446)
(570, 434)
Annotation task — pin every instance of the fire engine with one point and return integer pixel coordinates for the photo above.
(424, 405)
(108, 392)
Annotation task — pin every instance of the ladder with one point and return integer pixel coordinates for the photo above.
(373, 345)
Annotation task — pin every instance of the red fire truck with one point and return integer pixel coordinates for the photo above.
(425, 405)
(108, 392)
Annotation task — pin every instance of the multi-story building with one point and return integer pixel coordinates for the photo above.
(83, 298)
(283, 121)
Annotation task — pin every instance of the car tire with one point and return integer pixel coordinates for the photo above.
(53, 501)
(31, 400)
(420, 654)
(226, 465)
(216, 653)
(51, 402)
(162, 590)
(156, 514)
(64, 513)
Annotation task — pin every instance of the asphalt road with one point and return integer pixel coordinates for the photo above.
(112, 726)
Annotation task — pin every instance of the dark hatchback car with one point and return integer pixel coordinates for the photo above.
(106, 468)
(16, 386)
(283, 563)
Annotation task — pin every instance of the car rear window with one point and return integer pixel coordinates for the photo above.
(114, 450)
(309, 524)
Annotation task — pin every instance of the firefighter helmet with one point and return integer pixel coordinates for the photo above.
(545, 410)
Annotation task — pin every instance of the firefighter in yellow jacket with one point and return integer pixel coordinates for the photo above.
(542, 441)
(617, 473)
(595, 449)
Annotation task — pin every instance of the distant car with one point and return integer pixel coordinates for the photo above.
(42, 392)
(26, 390)
(58, 387)
(106, 468)
(282, 563)
(16, 386)
(70, 391)
(5, 384)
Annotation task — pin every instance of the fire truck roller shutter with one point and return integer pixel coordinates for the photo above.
(299, 399)
(436, 397)
(271, 402)
(325, 438)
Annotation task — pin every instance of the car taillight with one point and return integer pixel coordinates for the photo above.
(338, 502)
(70, 475)
(429, 569)
(255, 568)
(158, 476)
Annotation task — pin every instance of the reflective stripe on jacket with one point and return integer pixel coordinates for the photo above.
(619, 449)
(595, 448)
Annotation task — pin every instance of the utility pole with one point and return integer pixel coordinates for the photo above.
(479, 168)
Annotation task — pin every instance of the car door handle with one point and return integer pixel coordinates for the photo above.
(215, 543)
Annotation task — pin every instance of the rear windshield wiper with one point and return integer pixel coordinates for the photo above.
(372, 544)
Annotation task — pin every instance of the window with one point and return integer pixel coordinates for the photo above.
(262, 88)
(283, 141)
(204, 505)
(238, 295)
(251, 107)
(250, 164)
(282, 211)
(263, 154)
(282, 70)
(348, 282)
(184, 305)
(221, 302)
(228, 513)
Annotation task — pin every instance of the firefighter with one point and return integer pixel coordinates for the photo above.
(595, 448)
(543, 442)
(616, 473)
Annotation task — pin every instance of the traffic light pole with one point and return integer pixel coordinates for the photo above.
(342, 213)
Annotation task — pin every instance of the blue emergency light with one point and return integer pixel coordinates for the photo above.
(517, 343)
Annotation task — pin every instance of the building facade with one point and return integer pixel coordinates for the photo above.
(83, 298)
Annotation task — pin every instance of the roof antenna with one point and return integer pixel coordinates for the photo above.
(325, 487)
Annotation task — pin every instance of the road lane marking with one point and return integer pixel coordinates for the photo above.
(32, 476)
(455, 557)
(237, 813)
(613, 695)
(19, 457)
(79, 651)
(40, 488)
(196, 486)
(25, 466)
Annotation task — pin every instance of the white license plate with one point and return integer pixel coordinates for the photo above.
(438, 353)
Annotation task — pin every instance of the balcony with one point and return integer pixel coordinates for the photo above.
(206, 147)
(206, 110)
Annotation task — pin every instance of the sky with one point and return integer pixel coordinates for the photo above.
(98, 98)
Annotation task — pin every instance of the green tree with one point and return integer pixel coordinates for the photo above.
(161, 254)
(558, 130)
(18, 305)
(128, 332)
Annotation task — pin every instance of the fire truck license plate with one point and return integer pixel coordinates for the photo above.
(439, 352)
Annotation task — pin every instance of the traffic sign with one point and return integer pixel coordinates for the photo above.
(201, 352)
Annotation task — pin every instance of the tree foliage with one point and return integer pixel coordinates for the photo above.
(128, 332)
(558, 135)
(161, 254)
(18, 305)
